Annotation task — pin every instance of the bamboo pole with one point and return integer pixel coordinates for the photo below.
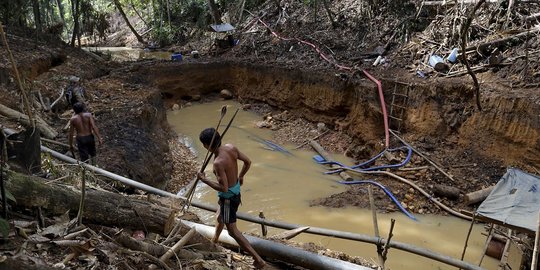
(18, 78)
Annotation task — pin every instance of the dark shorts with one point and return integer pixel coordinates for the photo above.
(228, 208)
(86, 146)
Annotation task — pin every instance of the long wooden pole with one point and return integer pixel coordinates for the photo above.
(18, 78)
(424, 156)
(468, 236)
(83, 195)
(319, 149)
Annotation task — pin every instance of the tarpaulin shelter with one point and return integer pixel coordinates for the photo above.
(514, 202)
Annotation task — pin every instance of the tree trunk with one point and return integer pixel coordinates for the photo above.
(214, 11)
(75, 9)
(138, 14)
(478, 196)
(37, 15)
(449, 192)
(61, 11)
(119, 7)
(101, 207)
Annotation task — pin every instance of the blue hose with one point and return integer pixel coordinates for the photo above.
(360, 165)
(385, 191)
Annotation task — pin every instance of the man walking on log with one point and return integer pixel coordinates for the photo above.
(83, 123)
(228, 187)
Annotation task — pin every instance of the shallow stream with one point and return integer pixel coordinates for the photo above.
(282, 185)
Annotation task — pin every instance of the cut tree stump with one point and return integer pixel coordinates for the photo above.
(478, 196)
(101, 207)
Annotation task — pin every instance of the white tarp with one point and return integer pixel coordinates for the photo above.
(515, 200)
(224, 27)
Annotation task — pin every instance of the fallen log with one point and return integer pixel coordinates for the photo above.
(477, 196)
(101, 207)
(446, 191)
(525, 34)
(45, 129)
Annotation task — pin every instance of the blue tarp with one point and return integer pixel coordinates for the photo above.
(514, 201)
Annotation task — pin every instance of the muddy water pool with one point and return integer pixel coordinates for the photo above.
(282, 185)
(121, 54)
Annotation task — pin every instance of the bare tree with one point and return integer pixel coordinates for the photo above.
(215, 12)
(119, 7)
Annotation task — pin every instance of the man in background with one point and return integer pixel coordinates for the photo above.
(83, 124)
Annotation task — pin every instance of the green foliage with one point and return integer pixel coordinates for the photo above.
(162, 35)
(9, 196)
(4, 228)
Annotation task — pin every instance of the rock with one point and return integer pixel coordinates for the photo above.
(420, 211)
(246, 107)
(188, 104)
(176, 107)
(196, 97)
(409, 197)
(321, 127)
(226, 94)
(263, 124)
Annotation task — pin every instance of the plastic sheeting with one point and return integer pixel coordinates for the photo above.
(514, 201)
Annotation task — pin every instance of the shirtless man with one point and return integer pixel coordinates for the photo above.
(228, 187)
(83, 123)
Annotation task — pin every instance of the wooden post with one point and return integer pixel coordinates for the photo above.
(83, 194)
(504, 258)
(535, 250)
(375, 225)
(18, 78)
(318, 148)
(390, 234)
(263, 227)
(490, 235)
(468, 235)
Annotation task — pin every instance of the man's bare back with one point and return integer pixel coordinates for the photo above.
(82, 123)
(228, 162)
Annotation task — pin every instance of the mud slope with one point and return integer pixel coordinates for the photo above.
(506, 129)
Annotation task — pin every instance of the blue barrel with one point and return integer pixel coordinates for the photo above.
(176, 57)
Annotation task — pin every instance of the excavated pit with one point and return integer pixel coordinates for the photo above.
(438, 112)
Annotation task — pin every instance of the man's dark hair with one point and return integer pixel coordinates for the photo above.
(206, 138)
(78, 107)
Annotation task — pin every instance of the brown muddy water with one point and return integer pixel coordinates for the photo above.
(282, 185)
(121, 54)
